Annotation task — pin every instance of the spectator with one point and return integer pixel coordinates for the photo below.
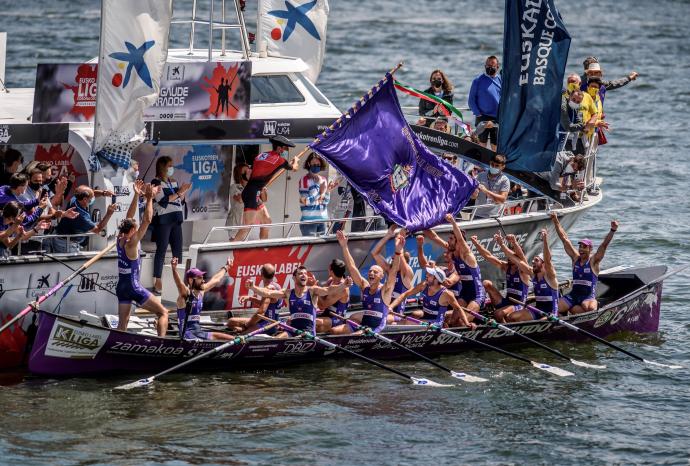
(592, 108)
(83, 198)
(593, 70)
(485, 94)
(60, 186)
(167, 223)
(573, 124)
(493, 188)
(266, 165)
(314, 196)
(572, 84)
(14, 191)
(345, 206)
(564, 173)
(240, 175)
(450, 158)
(440, 87)
(12, 227)
(441, 124)
(11, 164)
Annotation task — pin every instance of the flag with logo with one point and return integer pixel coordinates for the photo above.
(295, 28)
(133, 51)
(384, 160)
(535, 51)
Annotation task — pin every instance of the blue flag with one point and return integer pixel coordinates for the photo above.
(535, 51)
(374, 148)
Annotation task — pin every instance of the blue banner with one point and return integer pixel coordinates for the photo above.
(535, 51)
(376, 150)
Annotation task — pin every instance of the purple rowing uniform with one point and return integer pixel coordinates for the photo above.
(546, 298)
(375, 311)
(584, 284)
(515, 288)
(272, 309)
(192, 329)
(431, 305)
(398, 289)
(128, 288)
(302, 312)
(337, 308)
(471, 278)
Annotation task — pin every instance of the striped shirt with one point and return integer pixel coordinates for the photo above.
(310, 189)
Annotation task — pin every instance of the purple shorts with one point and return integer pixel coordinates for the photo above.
(128, 293)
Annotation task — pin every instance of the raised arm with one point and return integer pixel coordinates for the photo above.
(549, 269)
(357, 277)
(453, 303)
(218, 277)
(326, 290)
(601, 250)
(521, 262)
(138, 189)
(148, 213)
(560, 231)
(378, 249)
(423, 263)
(461, 246)
(395, 267)
(411, 292)
(515, 246)
(266, 292)
(486, 254)
(182, 290)
(434, 238)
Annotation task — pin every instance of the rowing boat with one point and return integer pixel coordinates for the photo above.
(67, 346)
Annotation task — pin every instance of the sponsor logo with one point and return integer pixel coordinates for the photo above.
(44, 281)
(274, 128)
(5, 134)
(298, 347)
(88, 282)
(291, 18)
(72, 341)
(175, 72)
(134, 58)
(140, 348)
(400, 177)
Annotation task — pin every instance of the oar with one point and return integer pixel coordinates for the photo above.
(544, 367)
(493, 323)
(53, 290)
(216, 350)
(328, 344)
(593, 336)
(371, 333)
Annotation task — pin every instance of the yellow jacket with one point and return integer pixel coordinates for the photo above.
(591, 106)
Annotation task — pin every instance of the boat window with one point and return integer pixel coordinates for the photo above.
(320, 98)
(273, 89)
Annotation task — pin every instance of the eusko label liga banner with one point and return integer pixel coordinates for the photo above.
(66, 93)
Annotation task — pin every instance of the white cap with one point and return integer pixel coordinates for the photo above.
(594, 67)
(437, 273)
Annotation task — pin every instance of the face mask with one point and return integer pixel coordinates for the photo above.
(35, 186)
(494, 170)
(170, 171)
(437, 82)
(592, 91)
(245, 177)
(315, 169)
(136, 174)
(573, 87)
(490, 70)
(284, 154)
(91, 201)
(574, 105)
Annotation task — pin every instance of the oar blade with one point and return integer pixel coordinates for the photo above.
(427, 382)
(467, 377)
(552, 369)
(136, 384)
(660, 364)
(587, 365)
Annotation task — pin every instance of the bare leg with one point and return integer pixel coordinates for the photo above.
(417, 314)
(123, 311)
(162, 313)
(342, 329)
(493, 293)
(323, 324)
(237, 324)
(248, 218)
(220, 336)
(586, 306)
(502, 314)
(563, 306)
(520, 316)
(264, 217)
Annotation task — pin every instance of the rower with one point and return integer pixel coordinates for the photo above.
(517, 281)
(472, 294)
(544, 281)
(376, 295)
(449, 268)
(582, 297)
(190, 301)
(265, 306)
(300, 299)
(435, 300)
(128, 288)
(403, 279)
(335, 303)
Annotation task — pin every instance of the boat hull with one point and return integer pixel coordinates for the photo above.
(66, 347)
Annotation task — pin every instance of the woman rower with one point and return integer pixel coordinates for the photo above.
(190, 301)
(128, 288)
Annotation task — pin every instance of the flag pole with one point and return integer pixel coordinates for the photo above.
(334, 124)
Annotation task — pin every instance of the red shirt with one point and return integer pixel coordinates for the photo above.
(266, 164)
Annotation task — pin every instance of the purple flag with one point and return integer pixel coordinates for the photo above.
(376, 150)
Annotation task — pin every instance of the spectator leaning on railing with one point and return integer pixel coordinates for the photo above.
(493, 188)
(83, 198)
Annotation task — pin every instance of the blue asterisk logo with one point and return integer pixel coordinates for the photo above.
(297, 15)
(135, 59)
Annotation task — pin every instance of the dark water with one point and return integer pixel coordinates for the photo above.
(335, 413)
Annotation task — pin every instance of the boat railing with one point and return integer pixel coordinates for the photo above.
(214, 25)
(373, 223)
(47, 243)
